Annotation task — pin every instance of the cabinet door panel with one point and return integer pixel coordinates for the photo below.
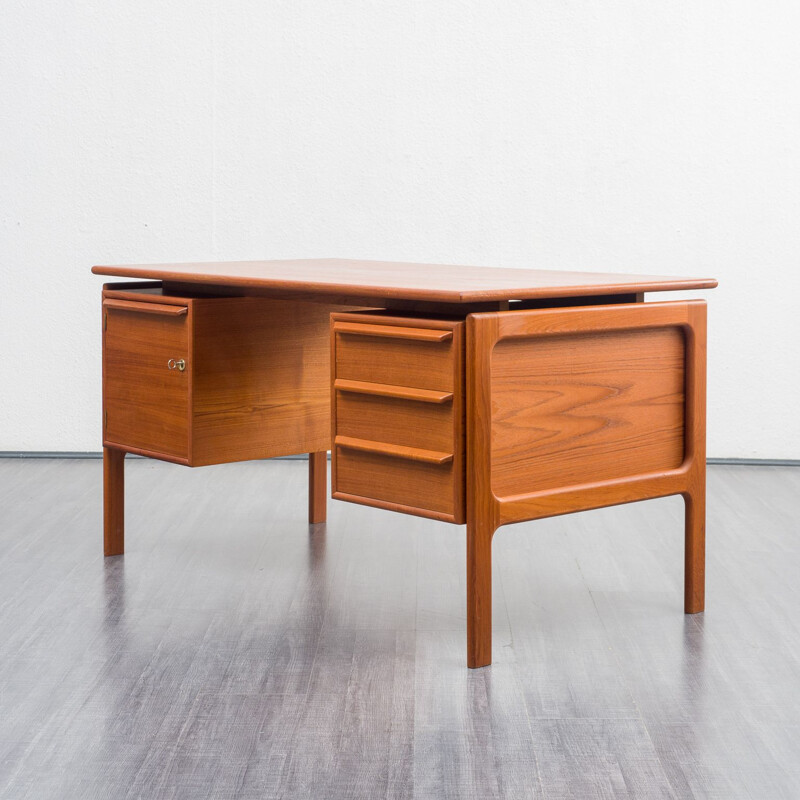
(146, 402)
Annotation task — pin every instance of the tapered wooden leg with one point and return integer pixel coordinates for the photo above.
(317, 486)
(113, 502)
(695, 552)
(479, 594)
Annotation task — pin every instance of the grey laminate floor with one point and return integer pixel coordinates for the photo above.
(233, 652)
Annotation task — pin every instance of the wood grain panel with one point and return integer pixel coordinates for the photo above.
(623, 364)
(395, 421)
(411, 486)
(598, 406)
(446, 283)
(403, 362)
(261, 379)
(146, 404)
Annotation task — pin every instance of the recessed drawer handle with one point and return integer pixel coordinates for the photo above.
(397, 450)
(393, 332)
(147, 308)
(387, 390)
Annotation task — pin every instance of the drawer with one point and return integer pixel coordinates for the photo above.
(393, 420)
(255, 381)
(400, 484)
(394, 354)
(398, 414)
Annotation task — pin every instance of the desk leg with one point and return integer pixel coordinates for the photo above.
(113, 502)
(695, 550)
(317, 486)
(694, 586)
(479, 594)
(482, 512)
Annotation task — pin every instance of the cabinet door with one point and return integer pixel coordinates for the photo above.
(145, 393)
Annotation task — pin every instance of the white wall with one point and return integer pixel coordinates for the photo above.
(630, 136)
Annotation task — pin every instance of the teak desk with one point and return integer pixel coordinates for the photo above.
(465, 394)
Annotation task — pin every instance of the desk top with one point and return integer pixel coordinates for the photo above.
(405, 281)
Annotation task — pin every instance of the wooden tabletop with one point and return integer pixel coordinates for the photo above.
(442, 283)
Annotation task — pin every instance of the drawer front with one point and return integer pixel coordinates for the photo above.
(428, 426)
(422, 363)
(398, 414)
(401, 484)
(146, 403)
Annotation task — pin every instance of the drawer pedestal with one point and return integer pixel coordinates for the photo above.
(198, 379)
(209, 380)
(567, 409)
(398, 413)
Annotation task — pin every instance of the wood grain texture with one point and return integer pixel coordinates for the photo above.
(597, 759)
(598, 406)
(512, 478)
(393, 450)
(404, 281)
(147, 308)
(396, 421)
(256, 382)
(401, 362)
(407, 332)
(479, 592)
(482, 516)
(694, 585)
(695, 491)
(413, 486)
(387, 390)
(146, 404)
(567, 409)
(273, 661)
(401, 448)
(113, 502)
(317, 486)
(536, 503)
(255, 385)
(261, 379)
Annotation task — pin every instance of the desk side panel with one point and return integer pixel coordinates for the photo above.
(583, 408)
(261, 379)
